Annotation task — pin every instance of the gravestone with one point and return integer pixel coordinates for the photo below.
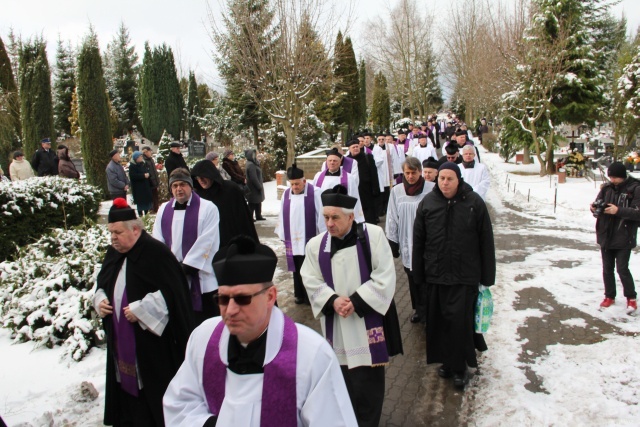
(130, 147)
(197, 149)
(580, 147)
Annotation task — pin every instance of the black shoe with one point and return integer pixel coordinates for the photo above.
(415, 318)
(445, 372)
(261, 218)
(461, 379)
(299, 300)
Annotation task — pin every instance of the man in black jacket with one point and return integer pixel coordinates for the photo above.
(174, 159)
(44, 160)
(617, 208)
(452, 226)
(154, 180)
(368, 186)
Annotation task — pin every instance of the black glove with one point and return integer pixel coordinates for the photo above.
(188, 270)
(395, 249)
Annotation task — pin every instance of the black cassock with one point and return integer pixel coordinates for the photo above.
(151, 267)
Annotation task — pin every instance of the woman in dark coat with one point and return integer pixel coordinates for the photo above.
(255, 189)
(66, 168)
(140, 184)
(230, 164)
(235, 217)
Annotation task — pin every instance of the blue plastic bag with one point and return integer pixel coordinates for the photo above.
(484, 310)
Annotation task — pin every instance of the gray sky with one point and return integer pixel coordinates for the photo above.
(180, 24)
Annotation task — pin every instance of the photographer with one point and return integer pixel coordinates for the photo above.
(617, 209)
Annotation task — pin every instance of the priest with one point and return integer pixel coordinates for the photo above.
(299, 220)
(254, 366)
(334, 175)
(188, 225)
(368, 188)
(401, 215)
(142, 297)
(350, 277)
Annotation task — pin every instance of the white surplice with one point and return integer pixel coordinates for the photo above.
(401, 215)
(297, 218)
(423, 153)
(477, 177)
(382, 163)
(205, 246)
(352, 189)
(350, 338)
(322, 397)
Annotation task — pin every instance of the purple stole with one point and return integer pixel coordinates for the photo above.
(347, 164)
(125, 348)
(372, 321)
(407, 141)
(309, 221)
(189, 237)
(279, 399)
(344, 178)
(367, 150)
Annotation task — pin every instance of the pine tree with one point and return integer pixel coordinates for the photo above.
(36, 106)
(13, 51)
(362, 73)
(63, 87)
(121, 68)
(74, 123)
(381, 108)
(347, 84)
(9, 88)
(93, 112)
(163, 145)
(194, 113)
(159, 95)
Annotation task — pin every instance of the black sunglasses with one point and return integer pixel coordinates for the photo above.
(239, 299)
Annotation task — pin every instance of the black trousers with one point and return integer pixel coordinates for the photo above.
(135, 411)
(383, 201)
(618, 258)
(298, 287)
(418, 299)
(365, 385)
(209, 307)
(257, 208)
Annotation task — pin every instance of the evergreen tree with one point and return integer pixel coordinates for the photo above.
(246, 108)
(36, 106)
(13, 51)
(159, 95)
(347, 84)
(121, 68)
(164, 145)
(381, 108)
(93, 112)
(362, 72)
(9, 88)
(63, 87)
(193, 109)
(74, 123)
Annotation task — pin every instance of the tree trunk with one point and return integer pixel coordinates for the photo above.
(526, 155)
(290, 134)
(551, 167)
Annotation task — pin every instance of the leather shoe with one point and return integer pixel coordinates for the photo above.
(261, 218)
(415, 318)
(444, 372)
(461, 379)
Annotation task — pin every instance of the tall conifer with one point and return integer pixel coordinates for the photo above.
(93, 112)
(63, 87)
(194, 112)
(36, 104)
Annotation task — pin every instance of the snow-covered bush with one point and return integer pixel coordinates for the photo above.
(45, 294)
(29, 208)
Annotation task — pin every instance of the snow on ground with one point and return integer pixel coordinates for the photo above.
(589, 384)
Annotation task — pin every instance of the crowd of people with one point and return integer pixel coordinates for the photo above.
(238, 359)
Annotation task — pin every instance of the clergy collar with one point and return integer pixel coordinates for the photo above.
(188, 202)
(336, 173)
(469, 165)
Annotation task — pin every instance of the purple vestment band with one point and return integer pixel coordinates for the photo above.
(309, 221)
(279, 397)
(125, 348)
(189, 237)
(347, 164)
(344, 178)
(372, 321)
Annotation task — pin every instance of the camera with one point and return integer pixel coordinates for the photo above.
(599, 205)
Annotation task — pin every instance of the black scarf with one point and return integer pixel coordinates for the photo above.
(414, 189)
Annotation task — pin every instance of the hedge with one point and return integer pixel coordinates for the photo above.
(30, 208)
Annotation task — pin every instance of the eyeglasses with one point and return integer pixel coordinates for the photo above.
(451, 157)
(239, 299)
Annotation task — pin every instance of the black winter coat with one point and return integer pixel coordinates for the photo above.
(174, 161)
(453, 240)
(254, 178)
(45, 163)
(235, 217)
(140, 186)
(619, 231)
